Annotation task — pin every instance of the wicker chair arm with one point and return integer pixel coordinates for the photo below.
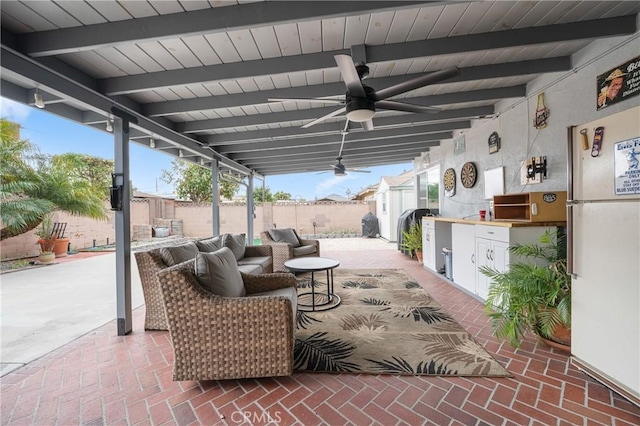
(149, 263)
(311, 243)
(256, 283)
(217, 338)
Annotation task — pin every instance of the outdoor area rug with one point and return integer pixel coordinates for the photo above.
(386, 324)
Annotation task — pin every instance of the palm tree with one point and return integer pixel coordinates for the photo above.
(28, 193)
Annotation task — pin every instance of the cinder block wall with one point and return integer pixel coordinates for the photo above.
(196, 222)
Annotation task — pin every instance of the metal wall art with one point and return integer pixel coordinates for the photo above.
(449, 182)
(494, 143)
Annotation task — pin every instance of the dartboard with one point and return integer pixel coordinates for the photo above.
(449, 181)
(468, 175)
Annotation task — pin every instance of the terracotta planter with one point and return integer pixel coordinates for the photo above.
(560, 339)
(419, 255)
(60, 247)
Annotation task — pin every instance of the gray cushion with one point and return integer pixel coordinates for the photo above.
(209, 244)
(304, 250)
(285, 235)
(236, 243)
(218, 272)
(262, 261)
(178, 254)
(250, 269)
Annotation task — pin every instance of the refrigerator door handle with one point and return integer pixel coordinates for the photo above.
(570, 270)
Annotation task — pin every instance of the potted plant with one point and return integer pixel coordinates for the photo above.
(412, 240)
(534, 294)
(47, 240)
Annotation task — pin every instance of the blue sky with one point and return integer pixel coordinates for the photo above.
(55, 135)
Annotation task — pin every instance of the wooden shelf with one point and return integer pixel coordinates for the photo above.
(531, 206)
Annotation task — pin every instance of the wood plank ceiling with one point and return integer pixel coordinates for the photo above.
(198, 74)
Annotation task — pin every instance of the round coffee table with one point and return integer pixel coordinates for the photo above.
(312, 301)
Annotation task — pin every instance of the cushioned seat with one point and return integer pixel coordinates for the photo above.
(225, 324)
(253, 259)
(287, 245)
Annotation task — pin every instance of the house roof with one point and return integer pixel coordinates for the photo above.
(217, 80)
(401, 180)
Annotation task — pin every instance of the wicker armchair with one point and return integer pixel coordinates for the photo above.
(283, 251)
(149, 264)
(218, 338)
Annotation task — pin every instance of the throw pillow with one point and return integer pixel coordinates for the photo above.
(285, 235)
(209, 244)
(218, 272)
(236, 243)
(178, 254)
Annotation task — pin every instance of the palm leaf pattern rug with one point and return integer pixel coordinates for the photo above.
(386, 324)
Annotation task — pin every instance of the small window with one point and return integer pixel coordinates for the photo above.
(384, 202)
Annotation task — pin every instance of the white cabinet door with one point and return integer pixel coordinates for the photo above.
(464, 250)
(500, 255)
(483, 258)
(429, 249)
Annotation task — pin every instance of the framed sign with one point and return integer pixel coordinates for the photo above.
(494, 143)
(618, 84)
(459, 145)
(627, 166)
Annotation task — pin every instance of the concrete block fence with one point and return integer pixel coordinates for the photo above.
(311, 220)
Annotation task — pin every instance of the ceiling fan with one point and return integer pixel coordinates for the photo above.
(339, 169)
(361, 101)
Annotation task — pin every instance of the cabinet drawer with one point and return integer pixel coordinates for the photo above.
(497, 233)
(428, 224)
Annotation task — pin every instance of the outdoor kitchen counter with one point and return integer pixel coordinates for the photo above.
(503, 223)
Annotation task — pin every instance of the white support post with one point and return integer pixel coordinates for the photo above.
(215, 197)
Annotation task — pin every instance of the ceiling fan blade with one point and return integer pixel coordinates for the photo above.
(401, 106)
(324, 117)
(358, 171)
(416, 83)
(316, 100)
(367, 125)
(350, 75)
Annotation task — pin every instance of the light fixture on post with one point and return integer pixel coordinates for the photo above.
(201, 161)
(37, 97)
(109, 126)
(152, 143)
(180, 153)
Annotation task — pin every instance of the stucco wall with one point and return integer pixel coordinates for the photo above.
(197, 222)
(570, 96)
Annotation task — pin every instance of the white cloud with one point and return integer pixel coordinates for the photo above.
(326, 187)
(14, 111)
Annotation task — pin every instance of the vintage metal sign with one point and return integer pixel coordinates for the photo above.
(627, 166)
(542, 113)
(618, 84)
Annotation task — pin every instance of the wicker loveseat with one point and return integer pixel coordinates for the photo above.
(252, 260)
(287, 244)
(218, 337)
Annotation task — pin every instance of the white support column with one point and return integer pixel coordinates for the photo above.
(250, 209)
(215, 197)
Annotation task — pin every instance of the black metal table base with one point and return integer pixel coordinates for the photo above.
(313, 301)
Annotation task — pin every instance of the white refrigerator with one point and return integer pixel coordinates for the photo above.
(603, 224)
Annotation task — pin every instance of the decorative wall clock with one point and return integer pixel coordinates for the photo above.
(449, 182)
(468, 175)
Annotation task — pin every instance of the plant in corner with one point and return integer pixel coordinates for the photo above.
(533, 294)
(412, 240)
